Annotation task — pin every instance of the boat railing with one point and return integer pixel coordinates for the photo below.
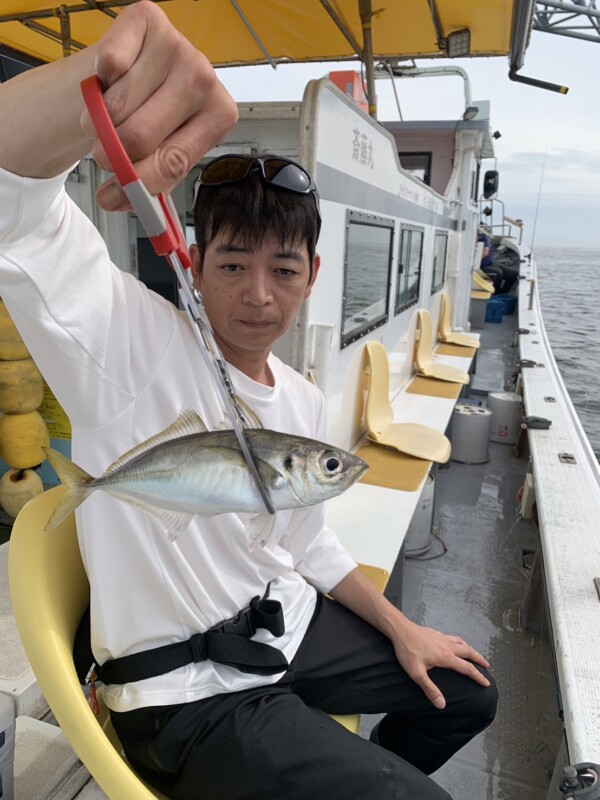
(566, 479)
(508, 226)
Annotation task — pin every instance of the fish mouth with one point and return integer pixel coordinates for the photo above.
(361, 467)
(358, 469)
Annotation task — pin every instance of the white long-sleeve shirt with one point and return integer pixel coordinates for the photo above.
(124, 363)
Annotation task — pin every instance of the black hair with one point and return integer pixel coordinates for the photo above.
(251, 210)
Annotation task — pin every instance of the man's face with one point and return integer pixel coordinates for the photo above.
(252, 296)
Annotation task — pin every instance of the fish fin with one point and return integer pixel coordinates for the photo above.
(75, 480)
(249, 418)
(186, 424)
(259, 527)
(174, 522)
(271, 478)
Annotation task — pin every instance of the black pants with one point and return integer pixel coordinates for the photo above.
(503, 278)
(278, 743)
(495, 275)
(509, 278)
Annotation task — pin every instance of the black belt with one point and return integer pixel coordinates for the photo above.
(227, 643)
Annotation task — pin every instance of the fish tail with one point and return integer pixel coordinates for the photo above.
(75, 481)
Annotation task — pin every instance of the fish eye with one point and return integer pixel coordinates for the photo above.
(331, 464)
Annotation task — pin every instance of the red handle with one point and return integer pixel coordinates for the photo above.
(170, 239)
(120, 161)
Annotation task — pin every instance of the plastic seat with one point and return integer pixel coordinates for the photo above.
(445, 332)
(379, 578)
(424, 360)
(49, 592)
(407, 437)
(481, 281)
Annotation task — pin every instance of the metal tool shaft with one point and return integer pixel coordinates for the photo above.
(217, 364)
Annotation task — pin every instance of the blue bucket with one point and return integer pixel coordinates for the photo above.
(494, 310)
(509, 301)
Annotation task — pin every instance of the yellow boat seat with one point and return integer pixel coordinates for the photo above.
(424, 361)
(481, 281)
(445, 332)
(407, 437)
(49, 592)
(379, 578)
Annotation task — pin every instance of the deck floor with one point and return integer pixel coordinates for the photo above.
(476, 589)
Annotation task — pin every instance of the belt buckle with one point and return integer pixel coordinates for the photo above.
(241, 624)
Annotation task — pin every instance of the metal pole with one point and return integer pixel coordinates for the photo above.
(65, 31)
(366, 15)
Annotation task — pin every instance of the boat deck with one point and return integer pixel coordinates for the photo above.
(472, 581)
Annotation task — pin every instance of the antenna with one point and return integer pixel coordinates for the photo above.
(537, 207)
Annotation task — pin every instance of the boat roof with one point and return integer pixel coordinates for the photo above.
(245, 32)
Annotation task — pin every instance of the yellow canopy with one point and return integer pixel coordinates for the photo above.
(233, 32)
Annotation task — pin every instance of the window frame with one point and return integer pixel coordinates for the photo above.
(408, 229)
(435, 287)
(426, 155)
(375, 221)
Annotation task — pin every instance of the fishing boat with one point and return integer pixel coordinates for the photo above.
(411, 348)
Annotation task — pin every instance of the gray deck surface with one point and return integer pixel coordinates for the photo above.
(476, 589)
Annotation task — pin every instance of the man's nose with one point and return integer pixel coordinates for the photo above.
(258, 291)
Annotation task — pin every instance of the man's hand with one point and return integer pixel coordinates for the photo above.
(420, 649)
(164, 98)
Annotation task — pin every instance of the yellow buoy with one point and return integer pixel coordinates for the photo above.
(21, 386)
(21, 438)
(17, 487)
(12, 346)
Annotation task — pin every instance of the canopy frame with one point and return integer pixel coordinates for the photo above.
(523, 15)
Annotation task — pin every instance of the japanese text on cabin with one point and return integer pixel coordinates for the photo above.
(362, 149)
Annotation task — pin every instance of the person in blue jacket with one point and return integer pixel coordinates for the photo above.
(503, 278)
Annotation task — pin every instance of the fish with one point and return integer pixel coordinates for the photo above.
(186, 470)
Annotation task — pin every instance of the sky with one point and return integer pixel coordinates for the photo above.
(548, 155)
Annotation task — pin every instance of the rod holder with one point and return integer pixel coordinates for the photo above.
(531, 293)
(580, 782)
(552, 87)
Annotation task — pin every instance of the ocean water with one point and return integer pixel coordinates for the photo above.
(569, 290)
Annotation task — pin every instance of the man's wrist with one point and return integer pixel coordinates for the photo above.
(394, 624)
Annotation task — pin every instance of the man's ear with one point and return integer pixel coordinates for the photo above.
(196, 265)
(315, 270)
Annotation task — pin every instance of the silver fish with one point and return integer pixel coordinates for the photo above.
(187, 470)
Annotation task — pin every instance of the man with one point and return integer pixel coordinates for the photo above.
(487, 261)
(503, 277)
(123, 363)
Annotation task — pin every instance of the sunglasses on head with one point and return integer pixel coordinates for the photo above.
(278, 172)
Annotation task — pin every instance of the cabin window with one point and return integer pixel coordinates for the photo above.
(440, 250)
(409, 267)
(418, 164)
(475, 182)
(367, 274)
